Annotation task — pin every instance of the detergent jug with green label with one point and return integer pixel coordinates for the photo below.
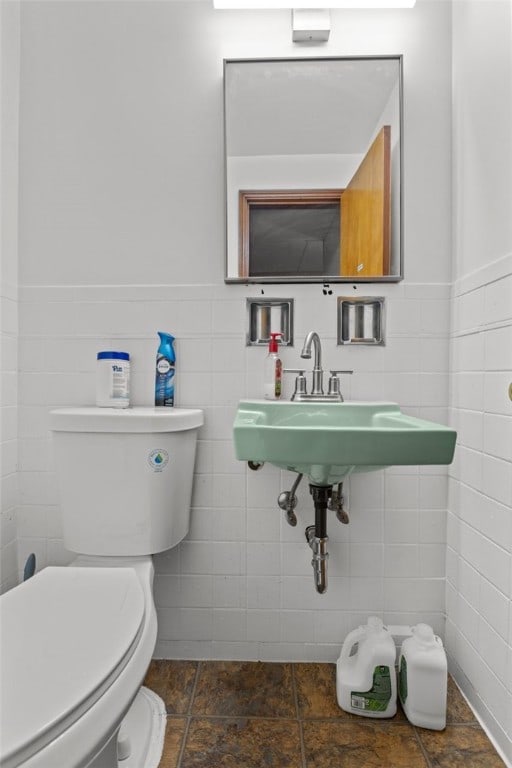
(365, 671)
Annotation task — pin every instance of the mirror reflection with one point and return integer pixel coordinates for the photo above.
(313, 166)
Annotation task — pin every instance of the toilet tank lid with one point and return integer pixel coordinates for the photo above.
(65, 635)
(136, 419)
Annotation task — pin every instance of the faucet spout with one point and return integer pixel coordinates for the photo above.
(313, 339)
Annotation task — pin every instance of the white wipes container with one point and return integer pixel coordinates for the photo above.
(365, 671)
(423, 678)
(113, 380)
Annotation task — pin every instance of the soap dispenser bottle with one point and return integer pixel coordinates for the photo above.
(273, 370)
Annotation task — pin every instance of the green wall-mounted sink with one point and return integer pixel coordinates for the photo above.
(328, 441)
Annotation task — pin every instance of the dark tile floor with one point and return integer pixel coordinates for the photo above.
(227, 714)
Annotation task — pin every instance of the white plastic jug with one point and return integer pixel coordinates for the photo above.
(365, 671)
(423, 678)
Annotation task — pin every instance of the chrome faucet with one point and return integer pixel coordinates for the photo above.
(317, 388)
(318, 374)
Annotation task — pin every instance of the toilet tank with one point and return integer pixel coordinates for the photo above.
(125, 477)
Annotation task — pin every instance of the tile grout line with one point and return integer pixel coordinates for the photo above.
(194, 688)
(421, 746)
(270, 718)
(188, 717)
(299, 721)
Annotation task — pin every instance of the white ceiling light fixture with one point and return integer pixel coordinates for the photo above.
(310, 25)
(311, 4)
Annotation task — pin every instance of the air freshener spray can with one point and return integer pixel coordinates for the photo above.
(165, 370)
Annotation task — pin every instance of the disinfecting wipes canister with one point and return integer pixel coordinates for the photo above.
(113, 380)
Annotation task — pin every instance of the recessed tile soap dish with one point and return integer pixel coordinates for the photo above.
(361, 320)
(269, 315)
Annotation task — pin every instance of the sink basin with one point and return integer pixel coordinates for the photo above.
(328, 441)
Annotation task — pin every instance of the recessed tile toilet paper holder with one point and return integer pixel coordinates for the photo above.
(269, 315)
(361, 320)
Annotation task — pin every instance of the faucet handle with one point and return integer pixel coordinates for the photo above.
(334, 384)
(300, 381)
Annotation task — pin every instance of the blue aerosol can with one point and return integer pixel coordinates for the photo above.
(165, 370)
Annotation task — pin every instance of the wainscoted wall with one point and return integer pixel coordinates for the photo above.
(122, 234)
(479, 555)
(9, 104)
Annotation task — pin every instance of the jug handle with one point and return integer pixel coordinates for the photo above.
(350, 640)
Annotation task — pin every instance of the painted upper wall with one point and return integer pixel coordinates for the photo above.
(9, 93)
(482, 104)
(121, 141)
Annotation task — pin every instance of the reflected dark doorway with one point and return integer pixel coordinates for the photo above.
(286, 240)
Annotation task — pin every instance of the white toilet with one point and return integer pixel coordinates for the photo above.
(76, 641)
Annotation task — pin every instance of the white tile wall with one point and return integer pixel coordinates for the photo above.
(242, 582)
(479, 558)
(9, 436)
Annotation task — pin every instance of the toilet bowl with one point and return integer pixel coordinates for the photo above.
(76, 641)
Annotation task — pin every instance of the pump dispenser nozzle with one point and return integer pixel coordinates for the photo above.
(273, 343)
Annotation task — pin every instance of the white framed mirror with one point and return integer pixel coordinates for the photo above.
(313, 151)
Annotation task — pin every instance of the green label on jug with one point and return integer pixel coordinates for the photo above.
(378, 697)
(402, 680)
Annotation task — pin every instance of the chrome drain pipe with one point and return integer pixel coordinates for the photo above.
(320, 558)
(316, 535)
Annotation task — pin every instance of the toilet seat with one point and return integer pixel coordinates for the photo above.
(53, 673)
